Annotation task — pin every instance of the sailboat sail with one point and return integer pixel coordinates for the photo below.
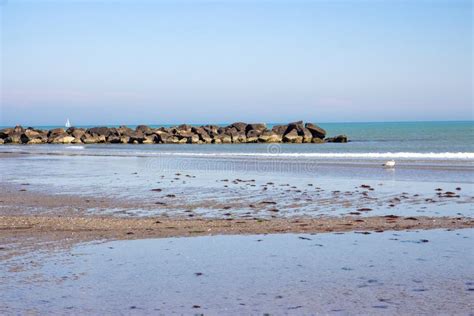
(68, 124)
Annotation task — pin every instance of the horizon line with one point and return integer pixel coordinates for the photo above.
(228, 123)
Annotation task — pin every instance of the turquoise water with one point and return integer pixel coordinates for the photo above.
(411, 137)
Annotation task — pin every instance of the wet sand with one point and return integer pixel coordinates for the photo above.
(32, 220)
(23, 234)
(126, 228)
(426, 272)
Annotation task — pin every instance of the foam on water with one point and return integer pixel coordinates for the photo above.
(372, 155)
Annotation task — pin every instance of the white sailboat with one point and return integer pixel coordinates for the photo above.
(68, 124)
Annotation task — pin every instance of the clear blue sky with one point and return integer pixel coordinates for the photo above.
(112, 62)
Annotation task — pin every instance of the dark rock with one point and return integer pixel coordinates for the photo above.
(184, 127)
(202, 134)
(124, 131)
(144, 129)
(239, 137)
(256, 127)
(136, 137)
(162, 137)
(32, 136)
(253, 136)
(76, 132)
(280, 129)
(298, 126)
(113, 139)
(57, 132)
(307, 136)
(239, 126)
(337, 139)
(315, 130)
(212, 130)
(89, 139)
(99, 131)
(269, 137)
(317, 140)
(4, 133)
(18, 129)
(292, 137)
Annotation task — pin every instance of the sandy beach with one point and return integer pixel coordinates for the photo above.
(150, 229)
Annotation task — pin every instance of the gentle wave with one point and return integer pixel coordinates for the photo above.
(326, 155)
(76, 147)
(386, 155)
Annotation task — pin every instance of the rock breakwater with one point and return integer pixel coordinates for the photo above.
(239, 132)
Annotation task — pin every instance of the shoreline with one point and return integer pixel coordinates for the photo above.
(32, 233)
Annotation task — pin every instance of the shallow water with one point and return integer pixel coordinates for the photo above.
(391, 273)
(208, 186)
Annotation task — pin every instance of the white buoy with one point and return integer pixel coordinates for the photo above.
(389, 164)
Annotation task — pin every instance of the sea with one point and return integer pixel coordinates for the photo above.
(428, 156)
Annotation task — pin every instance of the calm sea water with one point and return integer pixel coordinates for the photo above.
(451, 141)
(204, 177)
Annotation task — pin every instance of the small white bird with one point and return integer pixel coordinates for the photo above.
(389, 164)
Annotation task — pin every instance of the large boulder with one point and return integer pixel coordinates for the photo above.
(114, 139)
(222, 139)
(137, 137)
(316, 140)
(35, 141)
(124, 131)
(162, 136)
(33, 136)
(150, 139)
(18, 129)
(293, 137)
(56, 135)
(307, 136)
(269, 137)
(4, 133)
(56, 132)
(239, 126)
(253, 136)
(256, 127)
(202, 134)
(144, 129)
(337, 139)
(90, 139)
(212, 130)
(63, 140)
(99, 131)
(298, 126)
(280, 129)
(239, 137)
(315, 130)
(181, 133)
(76, 132)
(184, 127)
(166, 138)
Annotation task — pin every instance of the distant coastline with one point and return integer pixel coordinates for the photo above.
(239, 132)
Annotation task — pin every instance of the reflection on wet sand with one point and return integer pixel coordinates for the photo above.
(395, 272)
